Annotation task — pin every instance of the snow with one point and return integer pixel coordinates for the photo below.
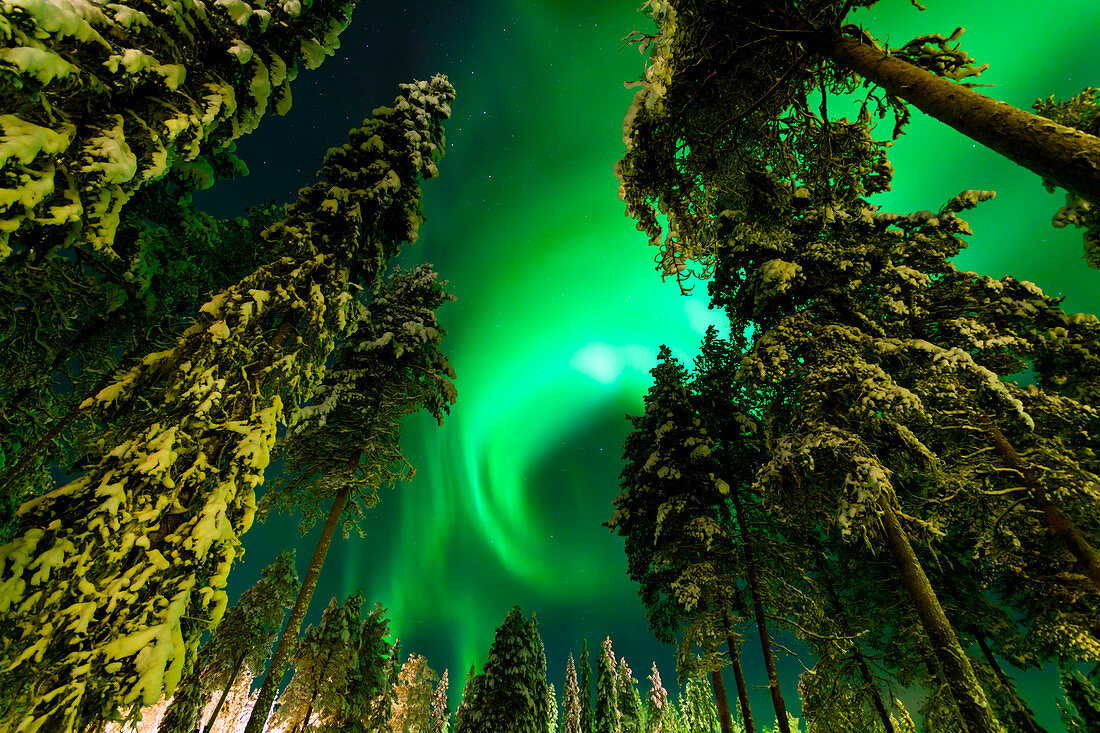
(109, 154)
(238, 10)
(23, 141)
(43, 64)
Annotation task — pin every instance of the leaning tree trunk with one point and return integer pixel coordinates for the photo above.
(1066, 156)
(1063, 526)
(961, 680)
(225, 691)
(725, 722)
(782, 724)
(718, 685)
(258, 719)
(739, 677)
(1024, 716)
(935, 675)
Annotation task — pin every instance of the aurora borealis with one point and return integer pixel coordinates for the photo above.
(560, 312)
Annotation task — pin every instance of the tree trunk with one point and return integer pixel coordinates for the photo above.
(742, 688)
(1064, 155)
(225, 691)
(1066, 530)
(725, 722)
(935, 674)
(963, 683)
(258, 719)
(861, 662)
(1025, 717)
(782, 723)
(309, 710)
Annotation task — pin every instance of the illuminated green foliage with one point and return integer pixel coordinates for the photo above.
(240, 645)
(1083, 712)
(510, 693)
(571, 704)
(324, 664)
(176, 492)
(726, 98)
(101, 100)
(607, 718)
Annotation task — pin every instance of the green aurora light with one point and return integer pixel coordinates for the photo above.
(560, 311)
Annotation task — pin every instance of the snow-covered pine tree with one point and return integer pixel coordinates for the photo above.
(588, 722)
(692, 128)
(698, 713)
(510, 693)
(68, 320)
(323, 664)
(681, 545)
(102, 99)
(413, 696)
(631, 715)
(468, 694)
(571, 703)
(365, 703)
(345, 444)
(551, 710)
(656, 701)
(439, 718)
(607, 718)
(241, 644)
(113, 577)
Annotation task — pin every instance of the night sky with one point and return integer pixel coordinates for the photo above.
(560, 312)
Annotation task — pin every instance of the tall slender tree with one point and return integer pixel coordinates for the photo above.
(631, 713)
(656, 702)
(136, 551)
(608, 718)
(440, 716)
(571, 704)
(588, 723)
(346, 444)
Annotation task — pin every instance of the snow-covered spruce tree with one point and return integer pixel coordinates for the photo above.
(551, 710)
(1081, 112)
(631, 715)
(413, 696)
(102, 99)
(439, 717)
(113, 577)
(323, 664)
(680, 546)
(855, 377)
(241, 644)
(588, 721)
(510, 693)
(71, 317)
(469, 692)
(697, 710)
(656, 704)
(695, 123)
(364, 703)
(571, 702)
(345, 444)
(607, 716)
